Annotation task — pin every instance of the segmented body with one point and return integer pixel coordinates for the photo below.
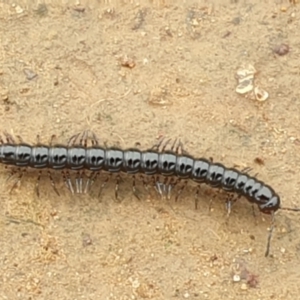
(134, 161)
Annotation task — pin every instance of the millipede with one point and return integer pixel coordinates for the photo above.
(174, 166)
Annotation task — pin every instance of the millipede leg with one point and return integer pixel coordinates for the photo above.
(165, 145)
(149, 184)
(145, 184)
(180, 190)
(229, 204)
(53, 183)
(72, 140)
(37, 184)
(9, 138)
(154, 180)
(197, 196)
(157, 145)
(180, 148)
(19, 178)
(164, 188)
(20, 139)
(161, 143)
(231, 200)
(254, 214)
(94, 139)
(12, 172)
(83, 139)
(210, 204)
(171, 184)
(78, 182)
(246, 170)
(169, 190)
(134, 188)
(253, 211)
(117, 186)
(90, 181)
(88, 184)
(270, 234)
(159, 186)
(67, 180)
(53, 136)
(38, 140)
(103, 185)
(168, 186)
(228, 207)
(175, 146)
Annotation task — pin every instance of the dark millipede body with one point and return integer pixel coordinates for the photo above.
(133, 161)
(79, 157)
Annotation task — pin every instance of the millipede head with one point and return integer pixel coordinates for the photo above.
(270, 206)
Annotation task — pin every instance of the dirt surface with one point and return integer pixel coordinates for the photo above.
(131, 73)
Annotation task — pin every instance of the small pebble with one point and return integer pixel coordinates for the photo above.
(4, 95)
(260, 94)
(246, 71)
(281, 49)
(283, 230)
(79, 8)
(29, 74)
(86, 240)
(135, 283)
(244, 286)
(36, 280)
(19, 9)
(236, 278)
(245, 86)
(245, 77)
(283, 8)
(42, 9)
(127, 62)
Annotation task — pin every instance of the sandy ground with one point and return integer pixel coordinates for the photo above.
(132, 72)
